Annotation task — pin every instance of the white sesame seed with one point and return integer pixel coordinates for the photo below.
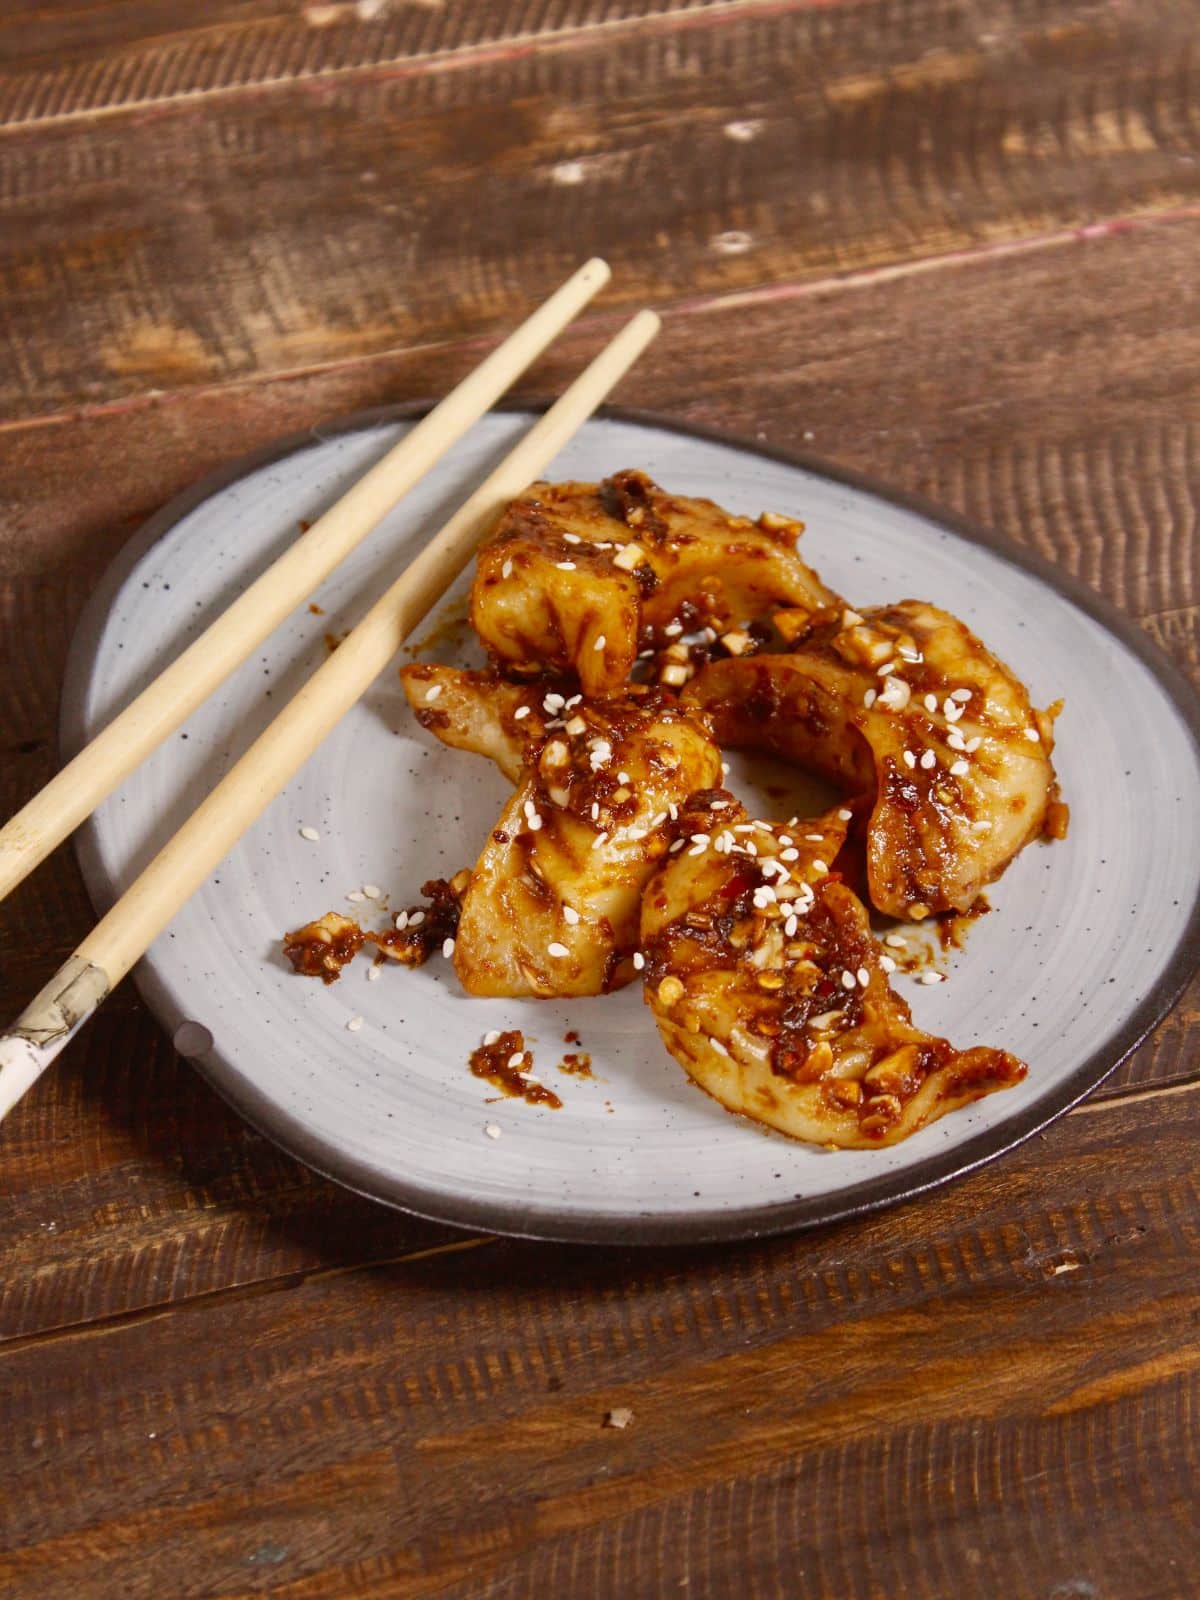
(887, 963)
(528, 807)
(955, 740)
(869, 699)
(570, 916)
(310, 834)
(506, 570)
(931, 702)
(553, 703)
(601, 641)
(928, 760)
(895, 695)
(959, 769)
(973, 744)
(951, 711)
(845, 815)
(1033, 735)
(896, 940)
(572, 538)
(819, 868)
(356, 895)
(565, 566)
(718, 1047)
(574, 701)
(447, 948)
(520, 713)
(492, 1036)
(595, 809)
(887, 668)
(982, 826)
(517, 1057)
(416, 918)
(784, 838)
(864, 977)
(354, 1024)
(789, 855)
(910, 760)
(557, 950)
(639, 961)
(673, 630)
(791, 925)
(535, 823)
(764, 896)
(814, 838)
(601, 838)
(673, 811)
(623, 777)
(849, 981)
(961, 695)
(372, 974)
(372, 891)
(432, 693)
(402, 920)
(699, 838)
(492, 1131)
(932, 977)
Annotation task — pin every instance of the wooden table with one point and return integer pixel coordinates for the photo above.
(953, 243)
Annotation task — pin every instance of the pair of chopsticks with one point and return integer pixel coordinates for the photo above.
(120, 938)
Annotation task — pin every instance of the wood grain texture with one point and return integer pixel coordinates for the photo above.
(879, 1408)
(950, 243)
(309, 219)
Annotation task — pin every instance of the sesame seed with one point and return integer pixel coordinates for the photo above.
(887, 668)
(896, 694)
(529, 808)
(572, 538)
(864, 977)
(595, 809)
(416, 918)
(574, 701)
(764, 896)
(372, 974)
(961, 695)
(402, 920)
(932, 977)
(492, 1131)
(814, 838)
(982, 826)
(910, 760)
(887, 963)
(372, 891)
(520, 713)
(601, 838)
(951, 711)
(356, 895)
(959, 769)
(565, 566)
(718, 1047)
(310, 834)
(928, 760)
(845, 815)
(432, 693)
(557, 950)
(492, 1036)
(506, 570)
(791, 925)
(869, 699)
(973, 744)
(955, 740)
(517, 1057)
(535, 823)
(789, 855)
(447, 948)
(673, 629)
(570, 916)
(849, 981)
(699, 838)
(601, 641)
(783, 837)
(623, 777)
(553, 703)
(931, 702)
(673, 811)
(354, 1024)
(1033, 735)
(896, 940)
(639, 961)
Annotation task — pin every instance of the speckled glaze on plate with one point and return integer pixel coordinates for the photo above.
(1090, 942)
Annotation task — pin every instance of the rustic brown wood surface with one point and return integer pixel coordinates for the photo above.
(953, 243)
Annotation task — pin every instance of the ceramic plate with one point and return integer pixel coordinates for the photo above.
(1089, 943)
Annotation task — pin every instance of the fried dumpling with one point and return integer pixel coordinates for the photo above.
(576, 576)
(769, 990)
(904, 705)
(552, 905)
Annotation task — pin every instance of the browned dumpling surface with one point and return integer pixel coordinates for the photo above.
(576, 576)
(769, 990)
(905, 705)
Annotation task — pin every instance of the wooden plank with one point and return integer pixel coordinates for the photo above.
(1019, 435)
(995, 1384)
(321, 218)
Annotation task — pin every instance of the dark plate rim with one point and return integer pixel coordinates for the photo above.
(638, 1228)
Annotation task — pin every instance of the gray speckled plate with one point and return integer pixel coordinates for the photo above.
(1090, 942)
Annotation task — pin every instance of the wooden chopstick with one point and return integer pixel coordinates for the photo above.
(118, 940)
(159, 709)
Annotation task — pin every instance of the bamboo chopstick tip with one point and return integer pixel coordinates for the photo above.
(596, 269)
